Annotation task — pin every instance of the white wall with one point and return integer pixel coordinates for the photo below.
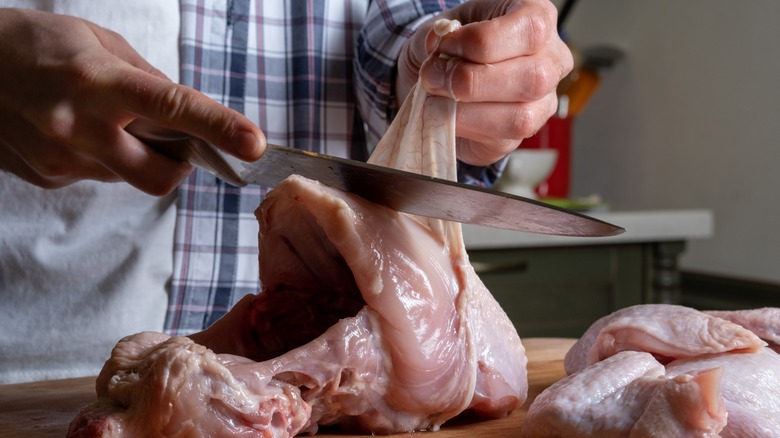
(688, 119)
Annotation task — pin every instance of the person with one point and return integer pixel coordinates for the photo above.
(84, 262)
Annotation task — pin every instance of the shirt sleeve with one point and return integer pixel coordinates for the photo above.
(482, 176)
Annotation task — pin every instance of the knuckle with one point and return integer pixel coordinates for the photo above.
(540, 79)
(170, 102)
(536, 28)
(478, 43)
(464, 82)
(483, 48)
(228, 131)
(59, 124)
(529, 119)
(523, 124)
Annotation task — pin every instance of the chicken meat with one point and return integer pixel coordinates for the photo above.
(764, 322)
(718, 378)
(629, 395)
(750, 388)
(667, 331)
(369, 320)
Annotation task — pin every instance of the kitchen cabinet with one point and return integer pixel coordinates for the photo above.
(558, 286)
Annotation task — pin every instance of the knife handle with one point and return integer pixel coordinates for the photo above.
(183, 147)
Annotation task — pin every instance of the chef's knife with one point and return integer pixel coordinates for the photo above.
(403, 191)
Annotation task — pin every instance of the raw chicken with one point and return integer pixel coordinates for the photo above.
(628, 395)
(710, 358)
(665, 330)
(764, 322)
(154, 386)
(602, 400)
(688, 405)
(751, 389)
(369, 319)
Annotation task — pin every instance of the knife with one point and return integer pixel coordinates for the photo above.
(402, 191)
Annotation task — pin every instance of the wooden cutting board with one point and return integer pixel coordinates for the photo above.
(44, 409)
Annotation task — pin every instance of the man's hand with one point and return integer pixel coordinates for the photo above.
(502, 66)
(69, 87)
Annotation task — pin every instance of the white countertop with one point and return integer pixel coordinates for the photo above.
(641, 226)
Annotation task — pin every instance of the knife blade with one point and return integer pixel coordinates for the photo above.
(400, 190)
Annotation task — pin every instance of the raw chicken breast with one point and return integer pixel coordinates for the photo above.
(369, 319)
(667, 331)
(628, 395)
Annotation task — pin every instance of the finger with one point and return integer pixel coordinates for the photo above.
(479, 154)
(493, 130)
(135, 162)
(523, 29)
(182, 108)
(51, 163)
(45, 161)
(522, 79)
(11, 162)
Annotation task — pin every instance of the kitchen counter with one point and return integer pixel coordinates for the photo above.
(558, 286)
(44, 409)
(641, 226)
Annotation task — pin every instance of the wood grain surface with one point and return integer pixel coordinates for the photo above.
(44, 409)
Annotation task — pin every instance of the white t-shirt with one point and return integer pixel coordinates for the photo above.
(85, 265)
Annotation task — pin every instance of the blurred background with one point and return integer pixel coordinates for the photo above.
(668, 127)
(687, 118)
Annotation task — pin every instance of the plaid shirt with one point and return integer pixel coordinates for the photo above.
(300, 70)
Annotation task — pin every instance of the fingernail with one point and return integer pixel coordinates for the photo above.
(246, 144)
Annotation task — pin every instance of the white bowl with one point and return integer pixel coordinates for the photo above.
(525, 170)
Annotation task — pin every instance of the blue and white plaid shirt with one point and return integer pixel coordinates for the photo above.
(316, 75)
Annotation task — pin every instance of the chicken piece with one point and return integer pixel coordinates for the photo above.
(604, 399)
(750, 380)
(764, 322)
(667, 331)
(369, 319)
(628, 395)
(688, 405)
(438, 344)
(750, 387)
(154, 386)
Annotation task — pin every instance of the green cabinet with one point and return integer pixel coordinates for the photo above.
(561, 291)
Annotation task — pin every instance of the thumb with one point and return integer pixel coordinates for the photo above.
(145, 92)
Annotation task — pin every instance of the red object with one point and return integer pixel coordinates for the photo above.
(555, 134)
